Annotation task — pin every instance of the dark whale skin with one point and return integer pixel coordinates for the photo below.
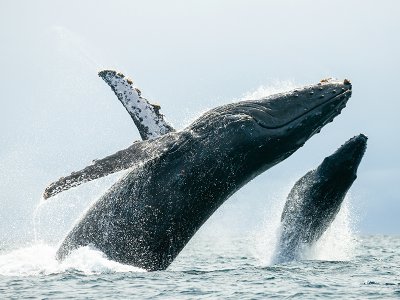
(147, 217)
(316, 198)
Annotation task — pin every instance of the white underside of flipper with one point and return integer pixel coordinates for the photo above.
(147, 117)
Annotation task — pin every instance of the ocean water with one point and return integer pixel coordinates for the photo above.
(210, 268)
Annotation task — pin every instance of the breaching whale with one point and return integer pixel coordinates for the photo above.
(316, 198)
(177, 180)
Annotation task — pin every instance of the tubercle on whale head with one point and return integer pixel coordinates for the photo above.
(298, 105)
(285, 111)
(293, 117)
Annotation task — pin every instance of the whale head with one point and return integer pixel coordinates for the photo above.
(341, 166)
(268, 130)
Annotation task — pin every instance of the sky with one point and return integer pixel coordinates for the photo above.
(57, 115)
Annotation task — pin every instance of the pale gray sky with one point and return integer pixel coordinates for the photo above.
(57, 115)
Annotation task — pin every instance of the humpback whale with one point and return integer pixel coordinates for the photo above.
(315, 199)
(178, 179)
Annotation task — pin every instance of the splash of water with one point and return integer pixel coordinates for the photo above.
(39, 259)
(266, 237)
(36, 219)
(338, 243)
(76, 47)
(277, 86)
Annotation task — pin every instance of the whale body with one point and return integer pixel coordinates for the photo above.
(316, 198)
(177, 180)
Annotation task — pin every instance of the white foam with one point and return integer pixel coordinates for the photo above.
(266, 237)
(338, 243)
(39, 259)
(277, 86)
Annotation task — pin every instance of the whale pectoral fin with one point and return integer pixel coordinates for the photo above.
(147, 117)
(118, 161)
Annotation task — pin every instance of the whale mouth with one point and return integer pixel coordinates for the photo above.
(338, 102)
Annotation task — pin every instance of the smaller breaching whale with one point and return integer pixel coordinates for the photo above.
(178, 179)
(316, 198)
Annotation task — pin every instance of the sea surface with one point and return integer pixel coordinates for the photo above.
(210, 268)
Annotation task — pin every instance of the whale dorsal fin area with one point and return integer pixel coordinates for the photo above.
(138, 152)
(147, 117)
